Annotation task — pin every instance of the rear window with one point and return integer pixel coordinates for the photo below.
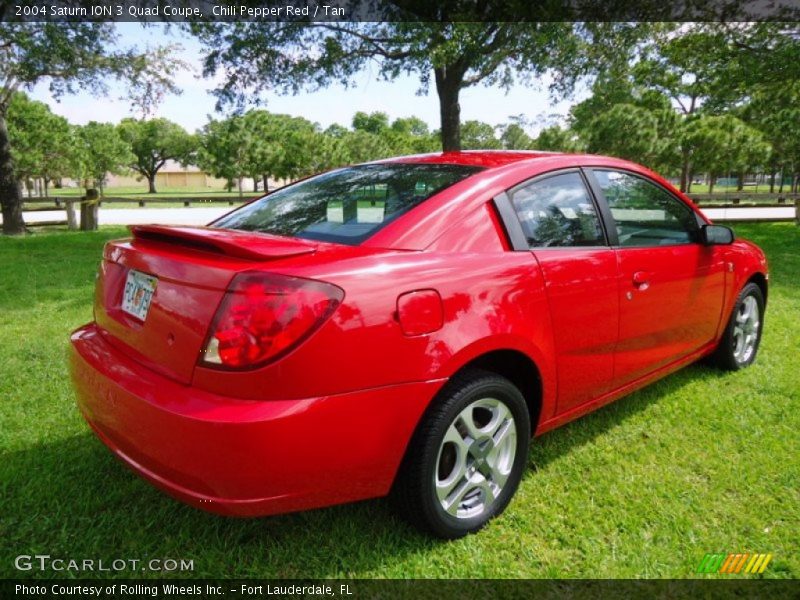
(347, 205)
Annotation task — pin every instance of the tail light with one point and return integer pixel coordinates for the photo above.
(264, 316)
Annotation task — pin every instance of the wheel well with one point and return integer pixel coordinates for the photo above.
(761, 281)
(519, 370)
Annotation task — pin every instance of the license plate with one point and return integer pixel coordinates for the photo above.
(139, 290)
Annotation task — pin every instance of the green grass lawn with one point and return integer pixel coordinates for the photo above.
(702, 461)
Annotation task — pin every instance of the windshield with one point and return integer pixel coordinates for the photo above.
(347, 205)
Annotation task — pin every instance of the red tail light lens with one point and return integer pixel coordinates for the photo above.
(263, 316)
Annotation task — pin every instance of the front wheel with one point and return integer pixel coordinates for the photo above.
(739, 343)
(467, 457)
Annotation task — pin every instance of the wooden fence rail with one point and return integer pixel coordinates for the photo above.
(187, 200)
(88, 211)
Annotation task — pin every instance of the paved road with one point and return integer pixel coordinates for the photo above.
(138, 216)
(752, 212)
(204, 215)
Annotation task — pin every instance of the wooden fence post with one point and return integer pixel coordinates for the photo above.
(72, 222)
(89, 210)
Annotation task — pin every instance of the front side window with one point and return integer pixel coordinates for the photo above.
(347, 205)
(557, 211)
(646, 214)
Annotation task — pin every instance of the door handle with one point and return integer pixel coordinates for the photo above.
(641, 280)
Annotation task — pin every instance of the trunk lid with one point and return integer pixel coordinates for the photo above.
(193, 267)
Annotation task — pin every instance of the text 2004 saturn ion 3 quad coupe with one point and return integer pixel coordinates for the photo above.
(403, 327)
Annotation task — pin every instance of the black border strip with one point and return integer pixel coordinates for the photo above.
(513, 228)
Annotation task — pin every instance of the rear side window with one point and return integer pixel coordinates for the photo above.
(646, 214)
(347, 205)
(557, 211)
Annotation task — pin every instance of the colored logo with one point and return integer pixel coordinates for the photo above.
(734, 563)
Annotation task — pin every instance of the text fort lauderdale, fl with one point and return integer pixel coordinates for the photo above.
(168, 589)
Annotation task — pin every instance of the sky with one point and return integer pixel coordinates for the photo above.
(335, 104)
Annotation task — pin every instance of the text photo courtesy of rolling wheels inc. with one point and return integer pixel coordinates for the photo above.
(399, 299)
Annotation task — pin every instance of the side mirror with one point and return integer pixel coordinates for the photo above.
(716, 235)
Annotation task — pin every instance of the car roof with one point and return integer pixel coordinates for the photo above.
(477, 158)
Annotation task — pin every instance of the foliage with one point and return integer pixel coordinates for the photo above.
(69, 55)
(513, 135)
(477, 135)
(453, 55)
(625, 130)
(42, 143)
(100, 150)
(725, 144)
(558, 139)
(776, 113)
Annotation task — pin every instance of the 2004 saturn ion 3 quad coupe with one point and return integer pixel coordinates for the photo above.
(403, 327)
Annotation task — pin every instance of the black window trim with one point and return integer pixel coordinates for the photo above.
(606, 209)
(513, 225)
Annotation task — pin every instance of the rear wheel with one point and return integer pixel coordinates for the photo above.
(466, 459)
(739, 344)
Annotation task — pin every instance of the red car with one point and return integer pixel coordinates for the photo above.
(405, 327)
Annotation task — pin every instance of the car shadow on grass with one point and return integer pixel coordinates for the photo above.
(71, 498)
(586, 429)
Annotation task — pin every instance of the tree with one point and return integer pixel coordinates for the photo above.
(626, 131)
(376, 122)
(43, 143)
(453, 55)
(154, 142)
(725, 144)
(477, 135)
(557, 139)
(513, 135)
(68, 56)
(101, 150)
(363, 146)
(776, 113)
(223, 149)
(262, 147)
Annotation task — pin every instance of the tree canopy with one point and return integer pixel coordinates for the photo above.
(289, 57)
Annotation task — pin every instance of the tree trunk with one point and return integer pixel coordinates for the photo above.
(772, 182)
(685, 183)
(739, 182)
(448, 86)
(151, 184)
(10, 194)
(711, 181)
(265, 179)
(255, 185)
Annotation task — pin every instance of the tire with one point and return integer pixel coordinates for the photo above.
(739, 344)
(466, 458)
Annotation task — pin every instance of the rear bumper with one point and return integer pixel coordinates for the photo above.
(244, 457)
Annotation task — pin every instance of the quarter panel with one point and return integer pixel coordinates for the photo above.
(491, 301)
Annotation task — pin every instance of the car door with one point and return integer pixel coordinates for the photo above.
(671, 286)
(562, 229)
